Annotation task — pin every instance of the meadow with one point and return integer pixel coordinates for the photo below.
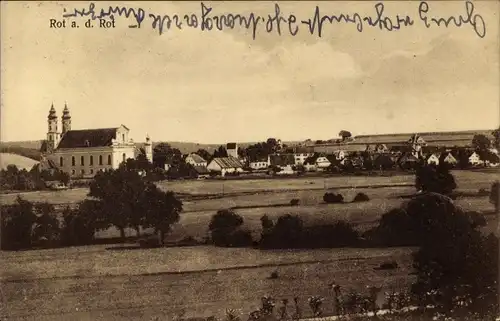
(101, 282)
(92, 283)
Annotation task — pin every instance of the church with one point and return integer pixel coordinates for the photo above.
(84, 152)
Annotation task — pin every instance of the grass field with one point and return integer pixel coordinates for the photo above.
(95, 283)
(138, 284)
(20, 161)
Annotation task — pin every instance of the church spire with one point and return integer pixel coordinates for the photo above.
(66, 119)
(52, 112)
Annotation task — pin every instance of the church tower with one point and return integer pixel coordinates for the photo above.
(66, 120)
(148, 148)
(53, 132)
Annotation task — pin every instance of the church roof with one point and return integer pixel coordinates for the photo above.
(88, 138)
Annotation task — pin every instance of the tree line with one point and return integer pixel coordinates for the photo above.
(120, 198)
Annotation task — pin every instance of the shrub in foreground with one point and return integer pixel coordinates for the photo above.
(361, 197)
(333, 198)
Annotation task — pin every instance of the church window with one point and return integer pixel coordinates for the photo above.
(109, 159)
(73, 172)
(61, 161)
(82, 160)
(100, 159)
(83, 172)
(91, 160)
(73, 161)
(123, 137)
(124, 157)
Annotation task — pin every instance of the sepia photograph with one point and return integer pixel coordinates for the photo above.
(250, 160)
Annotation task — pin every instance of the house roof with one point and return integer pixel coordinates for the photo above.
(282, 159)
(88, 138)
(227, 162)
(197, 158)
(201, 170)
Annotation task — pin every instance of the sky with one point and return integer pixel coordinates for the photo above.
(219, 86)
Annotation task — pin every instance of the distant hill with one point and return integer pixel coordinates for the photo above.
(13, 159)
(19, 148)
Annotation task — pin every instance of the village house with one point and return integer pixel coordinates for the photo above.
(285, 162)
(475, 159)
(301, 153)
(259, 164)
(196, 160)
(322, 163)
(225, 165)
(381, 148)
(202, 172)
(433, 159)
(339, 154)
(83, 153)
(449, 159)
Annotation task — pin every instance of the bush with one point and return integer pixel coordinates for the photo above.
(395, 229)
(225, 229)
(289, 232)
(339, 234)
(294, 202)
(361, 197)
(333, 198)
(286, 233)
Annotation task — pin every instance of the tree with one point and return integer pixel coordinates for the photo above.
(495, 195)
(17, 223)
(46, 225)
(162, 210)
(345, 134)
(223, 225)
(435, 179)
(182, 170)
(125, 200)
(81, 223)
(454, 261)
(496, 135)
(204, 154)
(481, 144)
(163, 154)
(220, 152)
(383, 162)
(119, 191)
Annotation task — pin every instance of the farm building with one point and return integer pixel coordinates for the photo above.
(224, 165)
(196, 160)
